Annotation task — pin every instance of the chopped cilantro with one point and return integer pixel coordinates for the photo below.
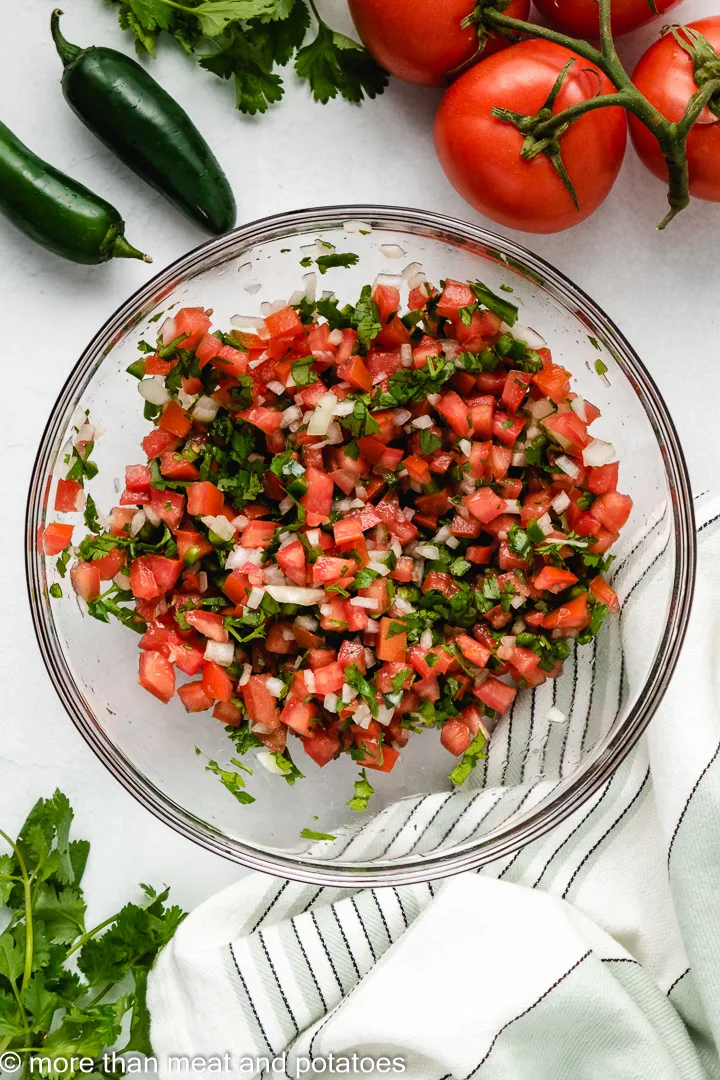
(310, 834)
(326, 262)
(355, 678)
(363, 793)
(429, 442)
(55, 591)
(303, 372)
(366, 318)
(474, 753)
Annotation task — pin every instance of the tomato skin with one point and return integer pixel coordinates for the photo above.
(664, 74)
(156, 675)
(580, 17)
(421, 41)
(481, 154)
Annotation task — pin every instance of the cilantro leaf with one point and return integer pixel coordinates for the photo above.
(310, 834)
(230, 780)
(303, 372)
(366, 318)
(429, 442)
(90, 515)
(355, 678)
(326, 262)
(474, 753)
(412, 385)
(256, 85)
(333, 64)
(214, 15)
(363, 793)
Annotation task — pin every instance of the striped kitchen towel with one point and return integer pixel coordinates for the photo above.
(592, 952)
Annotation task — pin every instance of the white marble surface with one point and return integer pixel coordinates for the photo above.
(661, 289)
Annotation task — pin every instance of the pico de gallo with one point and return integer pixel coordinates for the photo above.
(350, 524)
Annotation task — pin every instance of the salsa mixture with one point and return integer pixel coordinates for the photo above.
(352, 524)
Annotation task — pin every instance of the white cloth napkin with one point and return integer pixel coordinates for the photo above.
(593, 952)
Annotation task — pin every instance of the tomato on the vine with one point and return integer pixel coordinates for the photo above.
(423, 41)
(481, 154)
(580, 17)
(665, 76)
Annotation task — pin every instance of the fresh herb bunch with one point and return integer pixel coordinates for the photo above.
(248, 40)
(65, 990)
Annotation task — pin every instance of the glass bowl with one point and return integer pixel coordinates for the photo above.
(538, 771)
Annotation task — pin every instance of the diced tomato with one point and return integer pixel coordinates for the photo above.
(285, 323)
(258, 534)
(154, 365)
(382, 758)
(571, 616)
(318, 500)
(602, 479)
(417, 469)
(334, 617)
(111, 564)
(175, 420)
(176, 467)
(268, 420)
(377, 590)
(56, 537)
(168, 505)
(612, 510)
(165, 571)
(195, 697)
(262, 707)
(138, 477)
(156, 675)
(455, 736)
(404, 569)
(457, 414)
(356, 372)
(142, 579)
(506, 428)
(392, 645)
(208, 624)
(216, 682)
(496, 695)
(191, 545)
(158, 441)
(227, 713)
(194, 323)
(515, 388)
(484, 504)
(553, 579)
(524, 660)
(568, 430)
(428, 663)
(454, 296)
(204, 499)
(301, 717)
(389, 512)
(322, 747)
(553, 382)
(119, 520)
(604, 593)
(85, 580)
(68, 496)
(281, 639)
(329, 679)
(481, 553)
(472, 650)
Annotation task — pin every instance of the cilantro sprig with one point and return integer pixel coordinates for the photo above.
(246, 41)
(68, 992)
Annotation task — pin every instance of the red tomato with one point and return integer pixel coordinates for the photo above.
(68, 496)
(392, 646)
(204, 499)
(85, 579)
(496, 695)
(665, 76)
(216, 682)
(262, 707)
(194, 323)
(110, 564)
(455, 737)
(580, 17)
(481, 154)
(194, 697)
(322, 747)
(421, 41)
(56, 537)
(156, 675)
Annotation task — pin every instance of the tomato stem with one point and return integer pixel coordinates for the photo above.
(542, 132)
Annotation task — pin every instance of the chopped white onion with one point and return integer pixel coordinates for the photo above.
(452, 542)
(307, 622)
(322, 416)
(379, 568)
(220, 526)
(561, 502)
(599, 453)
(519, 460)
(245, 677)
(516, 602)
(555, 716)
(290, 415)
(362, 715)
(238, 557)
(401, 417)
(545, 524)
(512, 506)
(373, 627)
(392, 251)
(406, 355)
(122, 580)
(295, 594)
(370, 658)
(404, 607)
(367, 602)
(85, 434)
(254, 599)
(568, 466)
(313, 536)
(151, 516)
(335, 337)
(187, 400)
(247, 322)
(390, 281)
(348, 694)
(168, 331)
(310, 287)
(417, 281)
(528, 336)
(422, 422)
(384, 715)
(330, 702)
(426, 640)
(309, 677)
(253, 289)
(270, 308)
(578, 407)
(465, 446)
(286, 505)
(412, 270)
(441, 536)
(205, 409)
(540, 409)
(154, 390)
(220, 652)
(355, 226)
(428, 551)
(276, 387)
(344, 408)
(269, 762)
(274, 686)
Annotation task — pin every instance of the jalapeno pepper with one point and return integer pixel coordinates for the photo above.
(131, 113)
(57, 211)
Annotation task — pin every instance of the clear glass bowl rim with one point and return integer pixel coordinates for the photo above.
(588, 779)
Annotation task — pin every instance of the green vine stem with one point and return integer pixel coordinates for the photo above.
(544, 129)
